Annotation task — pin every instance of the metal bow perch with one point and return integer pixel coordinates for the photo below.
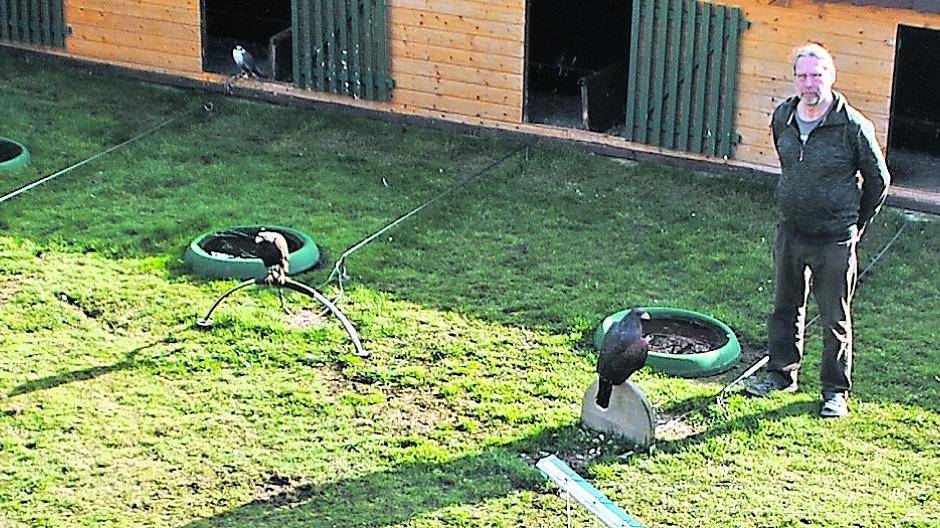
(206, 322)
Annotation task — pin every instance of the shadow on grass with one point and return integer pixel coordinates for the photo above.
(130, 361)
(748, 423)
(390, 497)
(394, 496)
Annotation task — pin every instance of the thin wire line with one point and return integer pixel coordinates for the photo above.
(872, 263)
(339, 267)
(207, 107)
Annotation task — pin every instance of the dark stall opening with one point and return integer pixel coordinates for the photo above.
(914, 130)
(576, 63)
(262, 28)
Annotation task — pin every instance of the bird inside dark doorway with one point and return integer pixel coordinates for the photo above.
(624, 351)
(245, 62)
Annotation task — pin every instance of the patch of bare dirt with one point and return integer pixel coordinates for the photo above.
(412, 413)
(678, 427)
(283, 489)
(307, 318)
(9, 285)
(589, 446)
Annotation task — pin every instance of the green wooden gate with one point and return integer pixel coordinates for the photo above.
(682, 81)
(340, 46)
(39, 22)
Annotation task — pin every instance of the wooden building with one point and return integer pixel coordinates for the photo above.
(681, 78)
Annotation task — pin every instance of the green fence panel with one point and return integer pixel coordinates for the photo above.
(37, 22)
(660, 42)
(715, 58)
(384, 82)
(645, 58)
(728, 137)
(632, 73)
(14, 19)
(4, 21)
(687, 69)
(58, 23)
(329, 36)
(682, 77)
(672, 79)
(44, 21)
(340, 47)
(319, 53)
(34, 33)
(22, 20)
(344, 46)
(368, 71)
(700, 61)
(355, 78)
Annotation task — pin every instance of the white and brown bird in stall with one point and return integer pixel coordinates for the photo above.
(623, 352)
(272, 249)
(245, 62)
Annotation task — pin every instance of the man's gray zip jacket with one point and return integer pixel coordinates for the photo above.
(833, 185)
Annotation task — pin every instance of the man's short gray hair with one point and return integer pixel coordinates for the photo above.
(815, 50)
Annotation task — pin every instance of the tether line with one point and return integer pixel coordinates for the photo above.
(871, 264)
(207, 107)
(339, 268)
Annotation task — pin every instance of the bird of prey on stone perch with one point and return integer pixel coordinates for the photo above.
(624, 352)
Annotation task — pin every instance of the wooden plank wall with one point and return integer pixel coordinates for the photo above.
(454, 59)
(861, 40)
(162, 35)
(458, 58)
(463, 60)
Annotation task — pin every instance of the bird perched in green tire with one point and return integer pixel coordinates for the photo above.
(272, 249)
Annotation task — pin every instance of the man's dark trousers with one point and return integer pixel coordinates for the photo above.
(830, 269)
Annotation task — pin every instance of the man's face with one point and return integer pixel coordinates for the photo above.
(813, 80)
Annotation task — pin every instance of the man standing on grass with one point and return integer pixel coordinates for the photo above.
(833, 180)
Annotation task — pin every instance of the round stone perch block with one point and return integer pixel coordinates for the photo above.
(629, 414)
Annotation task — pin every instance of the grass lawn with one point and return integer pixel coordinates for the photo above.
(115, 410)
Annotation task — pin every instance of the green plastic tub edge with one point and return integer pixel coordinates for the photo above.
(17, 161)
(685, 365)
(203, 264)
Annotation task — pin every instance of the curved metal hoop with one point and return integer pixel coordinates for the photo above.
(350, 329)
(299, 287)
